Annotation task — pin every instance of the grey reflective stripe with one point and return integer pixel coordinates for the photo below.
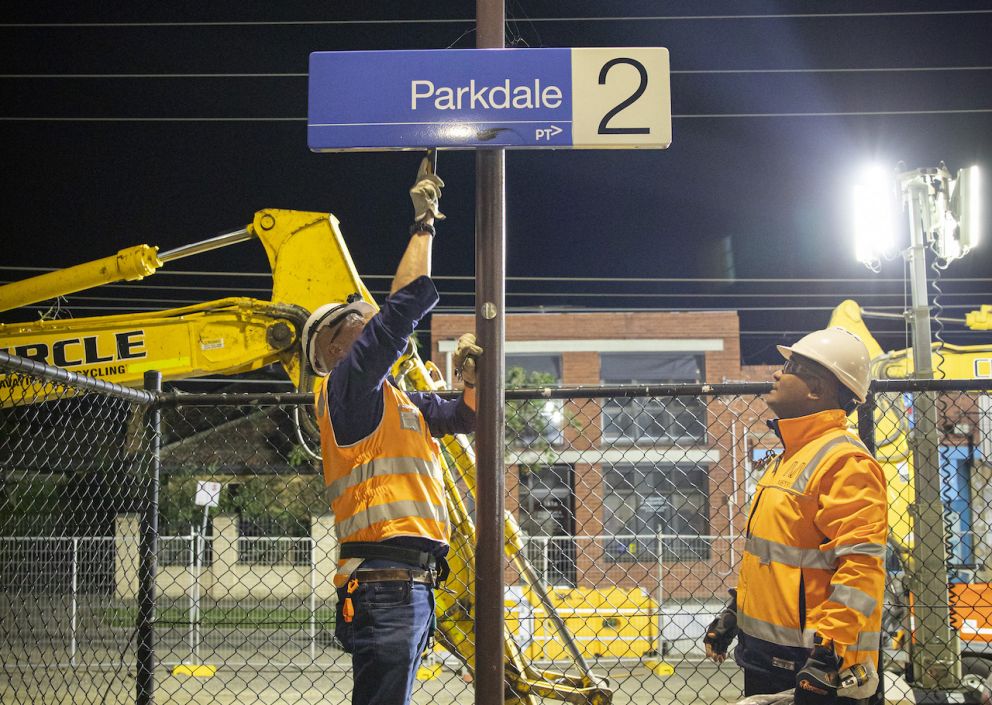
(875, 550)
(853, 598)
(804, 477)
(868, 641)
(785, 636)
(381, 466)
(392, 510)
(772, 551)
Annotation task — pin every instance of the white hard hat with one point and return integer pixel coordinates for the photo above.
(327, 315)
(841, 352)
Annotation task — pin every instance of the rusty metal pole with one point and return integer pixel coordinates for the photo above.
(490, 263)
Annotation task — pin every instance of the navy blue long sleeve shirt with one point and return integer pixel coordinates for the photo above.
(356, 382)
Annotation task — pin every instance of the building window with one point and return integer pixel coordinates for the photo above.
(547, 521)
(534, 423)
(643, 501)
(536, 369)
(648, 420)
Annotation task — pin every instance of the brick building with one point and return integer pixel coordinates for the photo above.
(618, 472)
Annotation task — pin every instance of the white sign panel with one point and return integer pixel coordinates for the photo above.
(207, 493)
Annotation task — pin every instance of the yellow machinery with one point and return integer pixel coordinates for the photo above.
(970, 602)
(310, 265)
(891, 419)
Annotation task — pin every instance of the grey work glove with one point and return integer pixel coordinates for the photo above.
(722, 630)
(466, 355)
(818, 680)
(426, 193)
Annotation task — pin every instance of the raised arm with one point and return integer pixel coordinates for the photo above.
(416, 261)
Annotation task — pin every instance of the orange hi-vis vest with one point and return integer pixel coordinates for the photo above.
(389, 483)
(814, 557)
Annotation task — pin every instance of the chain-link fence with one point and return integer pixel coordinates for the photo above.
(628, 511)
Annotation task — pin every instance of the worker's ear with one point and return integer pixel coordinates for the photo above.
(816, 387)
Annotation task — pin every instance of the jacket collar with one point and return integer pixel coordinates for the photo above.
(797, 432)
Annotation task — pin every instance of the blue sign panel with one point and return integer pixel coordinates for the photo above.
(459, 98)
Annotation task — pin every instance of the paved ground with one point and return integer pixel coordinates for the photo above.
(244, 687)
(692, 683)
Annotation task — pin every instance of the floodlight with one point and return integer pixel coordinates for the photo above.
(966, 203)
(956, 203)
(874, 216)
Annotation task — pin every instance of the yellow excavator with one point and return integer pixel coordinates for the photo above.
(961, 362)
(310, 265)
(971, 602)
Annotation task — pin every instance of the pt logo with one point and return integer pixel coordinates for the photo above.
(546, 133)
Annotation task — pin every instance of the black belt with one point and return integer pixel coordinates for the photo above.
(386, 575)
(361, 549)
(421, 559)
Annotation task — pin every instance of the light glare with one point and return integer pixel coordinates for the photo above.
(874, 221)
(971, 207)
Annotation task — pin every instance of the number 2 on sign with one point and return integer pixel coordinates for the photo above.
(604, 128)
(620, 98)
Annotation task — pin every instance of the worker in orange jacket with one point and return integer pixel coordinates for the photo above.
(807, 610)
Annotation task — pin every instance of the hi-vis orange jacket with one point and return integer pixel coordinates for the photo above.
(387, 484)
(814, 557)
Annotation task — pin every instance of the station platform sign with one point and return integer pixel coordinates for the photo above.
(589, 98)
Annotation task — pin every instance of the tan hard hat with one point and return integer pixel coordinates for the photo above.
(841, 352)
(327, 315)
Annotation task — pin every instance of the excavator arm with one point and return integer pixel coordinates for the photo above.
(224, 337)
(310, 266)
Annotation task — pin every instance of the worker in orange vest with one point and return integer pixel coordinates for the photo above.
(382, 465)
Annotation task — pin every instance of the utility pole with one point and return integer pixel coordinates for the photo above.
(935, 650)
(490, 319)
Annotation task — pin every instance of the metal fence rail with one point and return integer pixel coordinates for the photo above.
(631, 505)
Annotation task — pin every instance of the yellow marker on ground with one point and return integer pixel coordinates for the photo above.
(428, 671)
(660, 668)
(196, 670)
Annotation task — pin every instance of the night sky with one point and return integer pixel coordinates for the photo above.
(169, 123)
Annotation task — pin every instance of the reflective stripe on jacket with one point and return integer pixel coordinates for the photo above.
(389, 483)
(814, 556)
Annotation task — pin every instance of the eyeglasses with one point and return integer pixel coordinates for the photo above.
(793, 366)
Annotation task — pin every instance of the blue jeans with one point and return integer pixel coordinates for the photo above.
(387, 636)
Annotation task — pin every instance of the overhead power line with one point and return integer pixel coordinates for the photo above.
(522, 308)
(557, 279)
(536, 294)
(684, 116)
(303, 74)
(471, 20)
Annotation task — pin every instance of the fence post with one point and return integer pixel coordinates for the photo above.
(313, 598)
(148, 552)
(866, 422)
(661, 593)
(75, 598)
